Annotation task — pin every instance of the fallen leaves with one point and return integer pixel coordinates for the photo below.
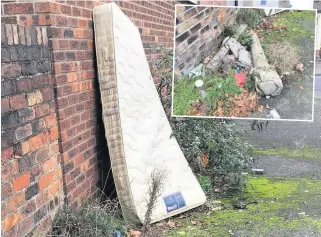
(260, 108)
(204, 159)
(134, 233)
(243, 104)
(173, 224)
(197, 108)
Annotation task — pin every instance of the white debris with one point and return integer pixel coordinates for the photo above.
(197, 71)
(258, 171)
(199, 83)
(275, 114)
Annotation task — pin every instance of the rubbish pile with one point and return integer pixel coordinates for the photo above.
(232, 54)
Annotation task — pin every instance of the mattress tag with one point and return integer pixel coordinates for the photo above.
(174, 201)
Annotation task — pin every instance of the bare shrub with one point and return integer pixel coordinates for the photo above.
(155, 188)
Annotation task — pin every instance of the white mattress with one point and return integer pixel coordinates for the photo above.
(137, 130)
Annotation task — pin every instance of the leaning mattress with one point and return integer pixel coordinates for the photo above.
(137, 130)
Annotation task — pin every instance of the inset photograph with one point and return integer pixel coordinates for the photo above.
(255, 63)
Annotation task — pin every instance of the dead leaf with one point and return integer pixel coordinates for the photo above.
(204, 159)
(219, 103)
(196, 222)
(301, 88)
(181, 217)
(171, 224)
(209, 89)
(134, 233)
(260, 108)
(174, 224)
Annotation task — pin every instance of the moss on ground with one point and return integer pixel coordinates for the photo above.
(275, 208)
(305, 153)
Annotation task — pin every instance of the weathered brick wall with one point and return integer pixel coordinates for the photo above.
(197, 33)
(31, 175)
(60, 126)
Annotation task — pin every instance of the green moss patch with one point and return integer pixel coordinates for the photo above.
(304, 153)
(276, 207)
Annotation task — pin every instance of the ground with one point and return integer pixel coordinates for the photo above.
(293, 28)
(285, 201)
(295, 99)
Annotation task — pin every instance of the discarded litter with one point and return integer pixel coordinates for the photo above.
(240, 78)
(258, 171)
(275, 114)
(197, 71)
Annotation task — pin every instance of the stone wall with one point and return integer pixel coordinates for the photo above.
(198, 31)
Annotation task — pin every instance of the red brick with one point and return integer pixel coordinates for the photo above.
(54, 148)
(25, 20)
(49, 164)
(55, 188)
(42, 154)
(55, 7)
(79, 33)
(8, 19)
(42, 110)
(6, 190)
(21, 182)
(11, 220)
(51, 120)
(60, 79)
(46, 180)
(35, 142)
(18, 102)
(25, 226)
(46, 19)
(82, 23)
(54, 133)
(42, 7)
(15, 201)
(42, 198)
(66, 9)
(29, 206)
(47, 94)
(18, 8)
(90, 44)
(76, 11)
(5, 107)
(72, 77)
(85, 13)
(55, 32)
(63, 44)
(6, 154)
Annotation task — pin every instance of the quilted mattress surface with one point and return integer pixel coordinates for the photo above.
(137, 130)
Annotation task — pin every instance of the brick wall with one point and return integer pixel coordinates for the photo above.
(52, 130)
(198, 31)
(31, 175)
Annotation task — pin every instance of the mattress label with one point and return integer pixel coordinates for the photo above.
(174, 201)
